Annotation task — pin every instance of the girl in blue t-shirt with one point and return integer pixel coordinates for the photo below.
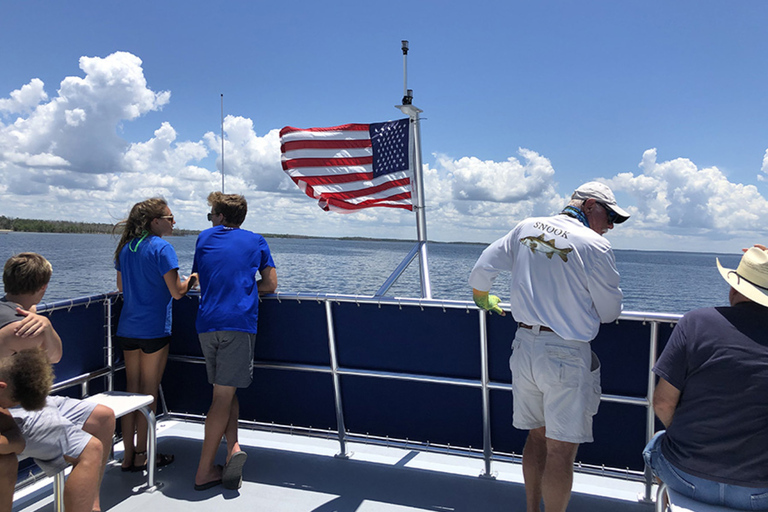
(148, 275)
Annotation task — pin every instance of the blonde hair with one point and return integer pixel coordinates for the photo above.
(139, 220)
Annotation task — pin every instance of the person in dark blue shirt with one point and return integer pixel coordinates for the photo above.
(711, 396)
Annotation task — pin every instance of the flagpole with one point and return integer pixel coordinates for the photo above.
(222, 143)
(418, 181)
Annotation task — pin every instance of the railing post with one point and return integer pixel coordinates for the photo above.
(110, 349)
(336, 382)
(484, 379)
(650, 416)
(58, 492)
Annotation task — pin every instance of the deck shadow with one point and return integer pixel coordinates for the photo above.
(320, 483)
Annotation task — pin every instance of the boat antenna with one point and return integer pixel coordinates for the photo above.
(222, 143)
(407, 98)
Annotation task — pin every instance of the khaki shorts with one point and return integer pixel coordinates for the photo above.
(555, 384)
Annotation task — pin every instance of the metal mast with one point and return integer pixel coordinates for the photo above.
(222, 143)
(412, 112)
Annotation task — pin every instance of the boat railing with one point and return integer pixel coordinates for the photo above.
(384, 370)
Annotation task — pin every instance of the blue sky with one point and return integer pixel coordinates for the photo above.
(103, 104)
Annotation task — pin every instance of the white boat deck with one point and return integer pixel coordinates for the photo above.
(286, 473)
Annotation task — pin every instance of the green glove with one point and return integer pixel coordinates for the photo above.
(488, 303)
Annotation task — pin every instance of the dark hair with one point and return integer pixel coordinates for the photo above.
(29, 376)
(26, 273)
(139, 220)
(234, 207)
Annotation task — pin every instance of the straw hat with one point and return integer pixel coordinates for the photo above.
(751, 278)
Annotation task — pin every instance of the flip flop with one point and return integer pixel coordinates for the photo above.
(161, 459)
(208, 485)
(232, 476)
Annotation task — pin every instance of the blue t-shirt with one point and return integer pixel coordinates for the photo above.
(147, 303)
(718, 359)
(226, 260)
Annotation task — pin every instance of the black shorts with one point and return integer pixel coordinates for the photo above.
(148, 346)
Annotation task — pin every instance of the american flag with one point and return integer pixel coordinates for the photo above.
(352, 166)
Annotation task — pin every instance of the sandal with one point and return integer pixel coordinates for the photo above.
(126, 469)
(161, 459)
(132, 467)
(211, 484)
(232, 476)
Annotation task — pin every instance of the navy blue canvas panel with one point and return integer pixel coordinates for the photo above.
(184, 339)
(619, 432)
(280, 337)
(290, 398)
(431, 341)
(417, 411)
(293, 331)
(623, 350)
(501, 332)
(186, 388)
(83, 339)
(618, 429)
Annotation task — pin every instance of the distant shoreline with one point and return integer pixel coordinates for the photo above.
(8, 225)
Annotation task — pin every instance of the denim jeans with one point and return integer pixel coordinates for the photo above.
(700, 489)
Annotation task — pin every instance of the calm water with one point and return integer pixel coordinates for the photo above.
(670, 282)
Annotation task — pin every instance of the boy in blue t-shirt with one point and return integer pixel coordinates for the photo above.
(227, 259)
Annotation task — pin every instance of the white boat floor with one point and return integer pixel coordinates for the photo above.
(286, 473)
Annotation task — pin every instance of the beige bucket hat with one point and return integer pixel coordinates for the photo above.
(751, 277)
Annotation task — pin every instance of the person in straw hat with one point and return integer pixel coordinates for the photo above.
(712, 396)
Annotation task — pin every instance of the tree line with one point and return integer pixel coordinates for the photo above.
(65, 226)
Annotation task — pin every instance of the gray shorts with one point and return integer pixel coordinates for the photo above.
(555, 384)
(54, 431)
(228, 357)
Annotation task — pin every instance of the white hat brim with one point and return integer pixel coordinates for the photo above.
(742, 286)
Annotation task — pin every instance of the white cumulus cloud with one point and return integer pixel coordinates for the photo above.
(24, 99)
(678, 197)
(79, 125)
(62, 158)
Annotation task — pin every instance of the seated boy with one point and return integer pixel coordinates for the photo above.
(64, 430)
(25, 379)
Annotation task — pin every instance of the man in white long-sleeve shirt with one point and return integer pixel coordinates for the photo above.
(564, 285)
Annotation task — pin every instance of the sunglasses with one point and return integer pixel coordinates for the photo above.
(612, 215)
(169, 217)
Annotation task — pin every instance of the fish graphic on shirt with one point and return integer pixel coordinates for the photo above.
(546, 247)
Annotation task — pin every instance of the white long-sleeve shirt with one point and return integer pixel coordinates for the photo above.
(563, 275)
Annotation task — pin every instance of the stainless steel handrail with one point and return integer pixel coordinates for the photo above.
(485, 384)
